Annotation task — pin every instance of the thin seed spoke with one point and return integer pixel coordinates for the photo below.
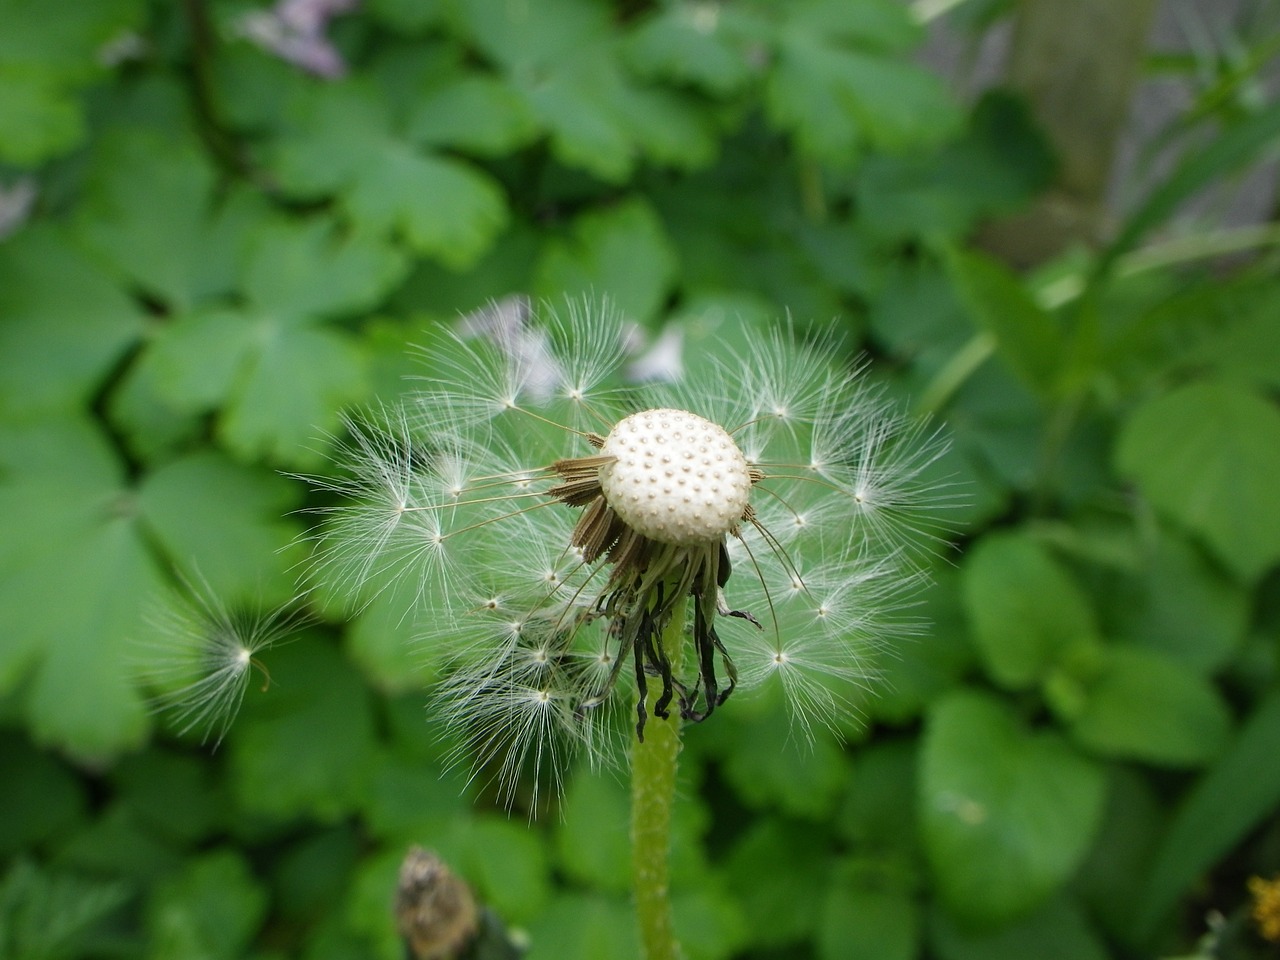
(549, 422)
(489, 520)
(780, 552)
(768, 597)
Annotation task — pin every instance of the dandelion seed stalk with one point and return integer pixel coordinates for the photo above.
(653, 790)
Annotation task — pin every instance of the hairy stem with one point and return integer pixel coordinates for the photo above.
(653, 789)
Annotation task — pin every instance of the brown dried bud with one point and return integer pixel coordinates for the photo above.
(435, 911)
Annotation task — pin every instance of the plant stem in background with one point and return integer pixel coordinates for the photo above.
(653, 790)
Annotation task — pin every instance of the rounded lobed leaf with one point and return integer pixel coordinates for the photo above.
(1007, 814)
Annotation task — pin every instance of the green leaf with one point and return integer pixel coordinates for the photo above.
(1145, 706)
(84, 604)
(779, 771)
(796, 858)
(41, 800)
(211, 910)
(305, 746)
(277, 382)
(196, 360)
(1112, 878)
(579, 926)
(579, 105)
(668, 126)
(290, 393)
(878, 817)
(175, 796)
(305, 269)
(117, 845)
(329, 134)
(1024, 608)
(47, 916)
(875, 25)
(1026, 337)
(44, 64)
(700, 46)
(1057, 931)
(709, 924)
(311, 876)
(1007, 814)
(74, 581)
(864, 921)
(837, 95)
(409, 17)
(1181, 605)
(446, 294)
(385, 640)
(409, 794)
(1233, 797)
(567, 62)
(444, 208)
(1207, 455)
(521, 37)
(908, 680)
(150, 425)
(1161, 327)
(735, 234)
(39, 117)
(621, 252)
(846, 259)
(150, 212)
(505, 862)
(475, 113)
(222, 523)
(1247, 350)
(996, 420)
(65, 325)
(68, 46)
(918, 315)
(999, 164)
(344, 146)
(368, 904)
(590, 846)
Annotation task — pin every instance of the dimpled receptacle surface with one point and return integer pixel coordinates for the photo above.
(676, 477)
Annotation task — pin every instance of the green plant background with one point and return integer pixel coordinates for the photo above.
(1077, 759)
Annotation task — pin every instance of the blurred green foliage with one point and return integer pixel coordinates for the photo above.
(1077, 759)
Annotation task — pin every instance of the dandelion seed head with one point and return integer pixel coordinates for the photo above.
(549, 520)
(675, 477)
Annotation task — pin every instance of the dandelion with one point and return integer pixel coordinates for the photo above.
(569, 538)
(208, 658)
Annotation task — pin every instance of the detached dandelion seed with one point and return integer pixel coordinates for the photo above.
(552, 522)
(209, 658)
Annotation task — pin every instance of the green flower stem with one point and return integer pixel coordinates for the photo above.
(956, 371)
(653, 790)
